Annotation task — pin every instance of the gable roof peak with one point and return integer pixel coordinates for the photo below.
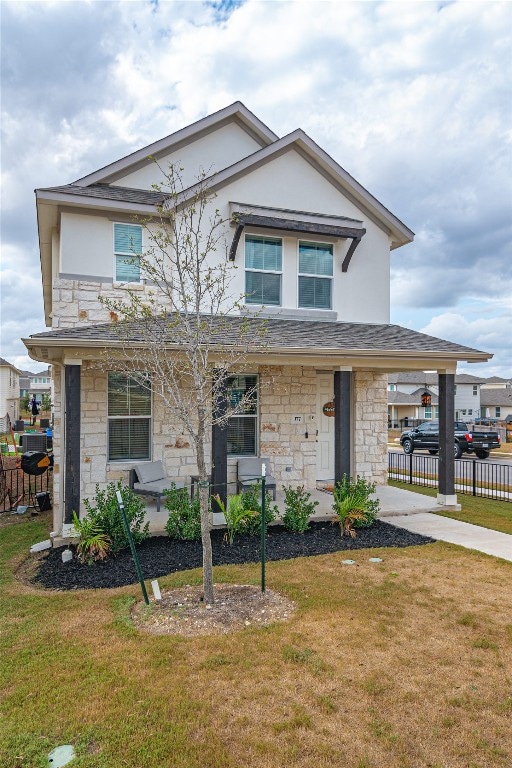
(236, 112)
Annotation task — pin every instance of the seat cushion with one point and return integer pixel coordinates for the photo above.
(158, 486)
(149, 471)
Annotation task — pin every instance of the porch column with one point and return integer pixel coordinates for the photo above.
(220, 440)
(72, 442)
(342, 425)
(446, 491)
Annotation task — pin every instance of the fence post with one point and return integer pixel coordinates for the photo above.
(263, 526)
(410, 469)
(120, 504)
(474, 477)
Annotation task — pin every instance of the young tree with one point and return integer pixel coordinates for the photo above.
(186, 331)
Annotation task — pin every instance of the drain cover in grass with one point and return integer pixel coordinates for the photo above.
(61, 756)
(348, 562)
(375, 560)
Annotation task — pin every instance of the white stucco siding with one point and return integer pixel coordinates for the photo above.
(86, 245)
(211, 153)
(466, 401)
(289, 182)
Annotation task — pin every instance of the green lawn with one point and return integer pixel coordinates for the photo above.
(404, 663)
(488, 513)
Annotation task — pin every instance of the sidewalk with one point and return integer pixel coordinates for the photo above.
(412, 511)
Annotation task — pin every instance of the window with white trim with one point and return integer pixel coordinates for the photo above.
(243, 428)
(129, 418)
(127, 249)
(498, 411)
(315, 275)
(263, 270)
(475, 389)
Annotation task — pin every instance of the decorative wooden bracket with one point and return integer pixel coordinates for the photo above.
(353, 245)
(240, 220)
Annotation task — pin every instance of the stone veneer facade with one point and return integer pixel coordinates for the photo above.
(284, 392)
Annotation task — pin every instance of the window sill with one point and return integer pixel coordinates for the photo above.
(125, 286)
(292, 314)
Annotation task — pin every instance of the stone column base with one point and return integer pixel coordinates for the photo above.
(448, 501)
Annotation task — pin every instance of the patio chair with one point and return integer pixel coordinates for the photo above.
(149, 479)
(249, 473)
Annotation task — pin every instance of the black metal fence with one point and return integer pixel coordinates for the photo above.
(17, 489)
(476, 478)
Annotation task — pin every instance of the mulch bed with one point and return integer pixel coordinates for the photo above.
(160, 555)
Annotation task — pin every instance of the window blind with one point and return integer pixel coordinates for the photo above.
(127, 244)
(242, 427)
(315, 262)
(129, 417)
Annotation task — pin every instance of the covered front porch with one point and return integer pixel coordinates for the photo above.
(321, 411)
(393, 502)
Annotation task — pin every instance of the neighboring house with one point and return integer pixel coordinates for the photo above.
(313, 248)
(9, 392)
(497, 402)
(405, 409)
(496, 382)
(38, 384)
(405, 390)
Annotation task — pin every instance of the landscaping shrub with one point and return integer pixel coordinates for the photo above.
(103, 513)
(93, 544)
(298, 508)
(352, 504)
(237, 517)
(184, 520)
(251, 503)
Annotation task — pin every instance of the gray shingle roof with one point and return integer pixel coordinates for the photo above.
(289, 334)
(420, 377)
(498, 396)
(108, 192)
(402, 398)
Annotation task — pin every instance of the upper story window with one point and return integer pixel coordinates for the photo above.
(391, 387)
(127, 246)
(315, 275)
(263, 270)
(475, 389)
(129, 418)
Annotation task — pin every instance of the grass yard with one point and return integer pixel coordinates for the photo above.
(488, 513)
(401, 664)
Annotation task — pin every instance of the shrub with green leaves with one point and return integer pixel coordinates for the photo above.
(237, 517)
(184, 520)
(352, 504)
(93, 544)
(298, 508)
(103, 512)
(251, 502)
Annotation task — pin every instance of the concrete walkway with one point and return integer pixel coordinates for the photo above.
(413, 511)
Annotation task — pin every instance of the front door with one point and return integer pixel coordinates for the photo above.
(325, 426)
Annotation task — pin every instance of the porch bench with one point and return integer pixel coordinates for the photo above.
(149, 479)
(249, 474)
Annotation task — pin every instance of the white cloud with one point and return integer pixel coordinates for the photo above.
(413, 99)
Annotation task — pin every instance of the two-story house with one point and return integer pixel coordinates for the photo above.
(313, 248)
(9, 393)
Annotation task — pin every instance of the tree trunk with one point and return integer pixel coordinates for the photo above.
(204, 492)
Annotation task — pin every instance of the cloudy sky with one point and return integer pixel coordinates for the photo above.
(414, 99)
